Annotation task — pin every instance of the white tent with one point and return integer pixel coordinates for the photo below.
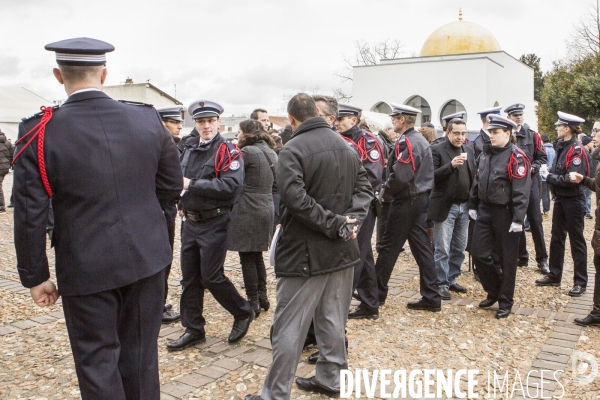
(16, 103)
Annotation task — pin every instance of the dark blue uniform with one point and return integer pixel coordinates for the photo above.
(216, 171)
(371, 156)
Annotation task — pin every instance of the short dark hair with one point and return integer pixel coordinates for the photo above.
(455, 121)
(78, 73)
(302, 107)
(330, 102)
(545, 138)
(254, 114)
(252, 132)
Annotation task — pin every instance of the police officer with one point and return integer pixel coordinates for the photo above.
(370, 154)
(497, 203)
(530, 142)
(213, 180)
(569, 204)
(408, 184)
(482, 139)
(172, 121)
(459, 115)
(110, 237)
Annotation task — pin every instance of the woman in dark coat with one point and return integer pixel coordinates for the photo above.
(251, 225)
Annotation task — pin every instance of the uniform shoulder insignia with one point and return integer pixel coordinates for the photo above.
(369, 137)
(518, 164)
(135, 103)
(475, 138)
(38, 114)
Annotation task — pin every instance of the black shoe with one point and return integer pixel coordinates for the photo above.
(543, 266)
(589, 216)
(363, 313)
(355, 295)
(10, 205)
(170, 317)
(168, 307)
(576, 291)
(522, 263)
(444, 293)
(252, 397)
(185, 340)
(502, 313)
(546, 281)
(240, 328)
(455, 287)
(424, 305)
(381, 302)
(264, 300)
(312, 359)
(311, 385)
(590, 320)
(487, 303)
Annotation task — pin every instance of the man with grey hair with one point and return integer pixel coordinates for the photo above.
(327, 107)
(316, 252)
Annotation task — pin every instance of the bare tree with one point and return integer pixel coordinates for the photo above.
(585, 38)
(370, 54)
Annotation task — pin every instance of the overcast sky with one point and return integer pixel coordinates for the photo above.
(253, 53)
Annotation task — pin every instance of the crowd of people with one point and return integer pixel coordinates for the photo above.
(314, 194)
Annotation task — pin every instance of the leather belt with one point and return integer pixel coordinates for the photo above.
(198, 216)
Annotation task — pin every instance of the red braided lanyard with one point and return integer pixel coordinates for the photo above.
(363, 143)
(39, 130)
(410, 158)
(223, 161)
(513, 160)
(570, 157)
(362, 154)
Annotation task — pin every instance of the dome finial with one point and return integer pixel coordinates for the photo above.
(460, 14)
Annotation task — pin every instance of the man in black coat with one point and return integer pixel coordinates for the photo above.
(110, 235)
(6, 156)
(325, 193)
(454, 170)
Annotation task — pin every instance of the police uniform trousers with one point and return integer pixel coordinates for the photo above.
(491, 242)
(203, 250)
(408, 221)
(365, 278)
(324, 299)
(382, 217)
(170, 215)
(567, 217)
(113, 336)
(534, 216)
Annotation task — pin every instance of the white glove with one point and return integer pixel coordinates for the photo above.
(514, 227)
(473, 214)
(544, 172)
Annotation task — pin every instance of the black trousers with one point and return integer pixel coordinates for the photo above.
(534, 216)
(2, 205)
(170, 215)
(203, 250)
(365, 278)
(567, 217)
(408, 221)
(382, 218)
(596, 309)
(276, 203)
(113, 336)
(492, 242)
(254, 272)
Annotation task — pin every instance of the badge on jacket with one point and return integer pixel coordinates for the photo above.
(521, 170)
(576, 161)
(235, 165)
(374, 154)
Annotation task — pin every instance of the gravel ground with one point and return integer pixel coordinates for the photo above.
(36, 363)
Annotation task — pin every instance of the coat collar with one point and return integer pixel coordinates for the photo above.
(310, 124)
(92, 94)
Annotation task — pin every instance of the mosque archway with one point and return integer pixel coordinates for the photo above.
(421, 104)
(451, 107)
(382, 107)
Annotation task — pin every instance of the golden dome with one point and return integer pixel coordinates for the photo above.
(459, 37)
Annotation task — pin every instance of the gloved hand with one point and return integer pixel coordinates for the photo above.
(473, 214)
(544, 172)
(515, 227)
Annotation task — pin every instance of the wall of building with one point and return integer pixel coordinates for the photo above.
(139, 93)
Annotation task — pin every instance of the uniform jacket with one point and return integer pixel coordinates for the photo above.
(570, 157)
(206, 190)
(181, 143)
(446, 177)
(593, 183)
(502, 178)
(251, 226)
(109, 228)
(479, 143)
(6, 154)
(410, 167)
(369, 152)
(320, 181)
(532, 145)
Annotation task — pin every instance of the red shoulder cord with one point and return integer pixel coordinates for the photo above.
(539, 143)
(362, 142)
(570, 157)
(223, 158)
(361, 152)
(514, 161)
(39, 130)
(410, 158)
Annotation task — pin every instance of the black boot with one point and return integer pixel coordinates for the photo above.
(263, 299)
(251, 280)
(594, 317)
(254, 303)
(261, 275)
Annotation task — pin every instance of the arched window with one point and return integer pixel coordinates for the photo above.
(382, 107)
(423, 105)
(451, 107)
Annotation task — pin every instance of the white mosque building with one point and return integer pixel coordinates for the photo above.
(461, 68)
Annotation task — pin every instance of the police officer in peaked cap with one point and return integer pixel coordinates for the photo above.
(569, 204)
(172, 120)
(498, 202)
(213, 173)
(459, 115)
(532, 145)
(110, 237)
(481, 140)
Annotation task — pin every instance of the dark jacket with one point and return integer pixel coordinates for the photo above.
(532, 145)
(593, 184)
(446, 179)
(493, 185)
(410, 167)
(206, 190)
(369, 152)
(181, 143)
(251, 226)
(109, 228)
(479, 143)
(6, 154)
(320, 181)
(570, 157)
(285, 135)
